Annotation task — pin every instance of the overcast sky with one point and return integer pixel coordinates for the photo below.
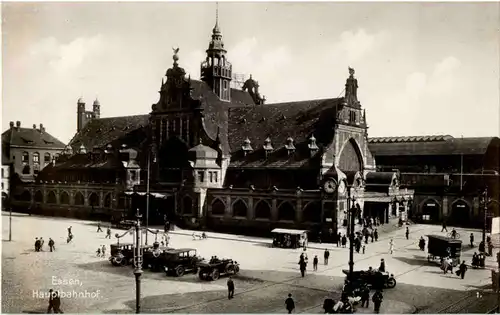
(422, 68)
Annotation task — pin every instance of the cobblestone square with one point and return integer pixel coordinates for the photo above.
(267, 274)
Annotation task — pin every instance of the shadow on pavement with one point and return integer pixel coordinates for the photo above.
(416, 261)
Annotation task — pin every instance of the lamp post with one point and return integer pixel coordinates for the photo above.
(10, 224)
(147, 195)
(351, 214)
(485, 208)
(138, 262)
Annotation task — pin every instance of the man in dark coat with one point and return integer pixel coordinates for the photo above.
(99, 227)
(37, 245)
(382, 265)
(315, 263)
(365, 296)
(289, 304)
(462, 269)
(51, 245)
(57, 303)
(108, 233)
(375, 234)
(339, 239)
(230, 288)
(302, 265)
(344, 240)
(471, 240)
(377, 301)
(444, 227)
(407, 233)
(326, 256)
(51, 301)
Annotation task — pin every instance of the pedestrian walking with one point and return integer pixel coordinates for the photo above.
(51, 301)
(326, 255)
(365, 297)
(41, 243)
(230, 288)
(444, 227)
(98, 251)
(108, 233)
(471, 240)
(37, 244)
(315, 263)
(51, 245)
(302, 266)
(375, 234)
(490, 249)
(407, 233)
(99, 227)
(382, 265)
(57, 303)
(462, 269)
(339, 239)
(69, 231)
(391, 246)
(289, 304)
(344, 241)
(371, 235)
(364, 249)
(103, 251)
(377, 301)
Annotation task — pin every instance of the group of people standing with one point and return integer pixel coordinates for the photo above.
(39, 244)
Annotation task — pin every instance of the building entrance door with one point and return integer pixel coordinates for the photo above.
(460, 213)
(430, 211)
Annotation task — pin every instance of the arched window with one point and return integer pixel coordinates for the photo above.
(26, 169)
(36, 157)
(26, 157)
(239, 209)
(107, 201)
(187, 205)
(46, 157)
(286, 211)
(25, 196)
(262, 210)
(64, 198)
(79, 199)
(218, 207)
(94, 200)
(51, 197)
(38, 196)
(312, 212)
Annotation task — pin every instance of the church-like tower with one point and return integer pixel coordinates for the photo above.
(216, 71)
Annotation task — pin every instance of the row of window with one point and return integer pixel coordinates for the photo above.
(175, 127)
(212, 176)
(64, 198)
(262, 210)
(36, 157)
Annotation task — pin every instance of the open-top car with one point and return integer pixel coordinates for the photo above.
(121, 254)
(179, 261)
(375, 279)
(212, 269)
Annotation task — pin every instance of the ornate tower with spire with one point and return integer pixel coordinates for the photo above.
(216, 71)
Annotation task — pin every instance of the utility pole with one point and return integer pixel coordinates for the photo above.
(352, 222)
(138, 262)
(147, 196)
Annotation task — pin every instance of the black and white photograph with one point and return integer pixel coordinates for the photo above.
(250, 157)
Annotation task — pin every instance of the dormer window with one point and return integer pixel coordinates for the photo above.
(313, 147)
(289, 146)
(268, 148)
(246, 147)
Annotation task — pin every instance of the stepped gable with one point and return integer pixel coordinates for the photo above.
(31, 137)
(430, 145)
(215, 111)
(278, 122)
(98, 133)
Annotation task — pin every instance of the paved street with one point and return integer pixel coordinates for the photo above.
(267, 276)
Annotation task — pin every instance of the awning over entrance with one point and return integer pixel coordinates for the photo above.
(377, 197)
(156, 195)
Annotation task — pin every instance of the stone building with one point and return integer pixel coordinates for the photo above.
(223, 158)
(449, 175)
(29, 150)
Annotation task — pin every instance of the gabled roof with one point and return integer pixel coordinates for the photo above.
(98, 133)
(429, 145)
(278, 122)
(31, 137)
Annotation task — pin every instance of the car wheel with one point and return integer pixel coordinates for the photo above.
(179, 271)
(391, 283)
(215, 274)
(236, 269)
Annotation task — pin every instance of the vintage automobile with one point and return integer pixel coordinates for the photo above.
(374, 279)
(213, 269)
(442, 247)
(179, 261)
(121, 254)
(154, 256)
(289, 238)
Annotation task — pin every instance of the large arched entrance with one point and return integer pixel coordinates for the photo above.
(430, 210)
(460, 213)
(350, 159)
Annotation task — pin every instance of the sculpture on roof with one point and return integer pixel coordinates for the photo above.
(175, 56)
(351, 89)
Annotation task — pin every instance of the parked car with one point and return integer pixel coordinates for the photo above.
(179, 261)
(121, 254)
(213, 269)
(374, 279)
(154, 256)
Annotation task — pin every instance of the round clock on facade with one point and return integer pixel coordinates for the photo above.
(330, 186)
